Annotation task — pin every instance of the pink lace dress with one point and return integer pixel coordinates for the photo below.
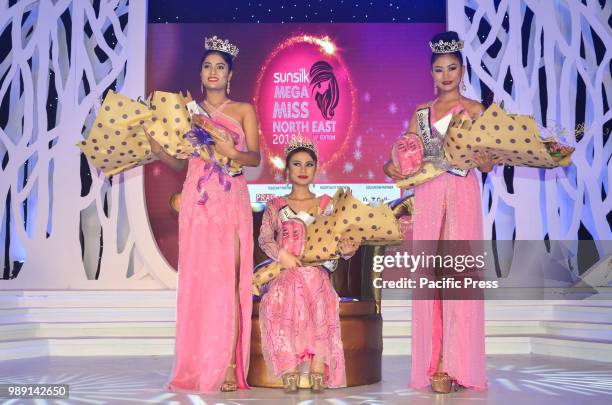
(448, 207)
(206, 301)
(299, 315)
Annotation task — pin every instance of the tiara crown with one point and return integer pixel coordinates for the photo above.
(300, 142)
(221, 45)
(446, 46)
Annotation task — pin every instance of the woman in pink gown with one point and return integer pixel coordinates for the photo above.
(299, 314)
(214, 301)
(447, 335)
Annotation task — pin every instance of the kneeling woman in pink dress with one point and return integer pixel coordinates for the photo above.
(299, 314)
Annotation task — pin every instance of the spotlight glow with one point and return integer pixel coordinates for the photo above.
(325, 43)
(277, 162)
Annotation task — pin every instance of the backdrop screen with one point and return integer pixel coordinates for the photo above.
(350, 87)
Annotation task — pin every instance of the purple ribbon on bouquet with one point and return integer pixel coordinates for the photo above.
(198, 137)
(201, 138)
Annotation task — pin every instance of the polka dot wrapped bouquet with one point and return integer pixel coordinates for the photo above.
(511, 139)
(171, 121)
(349, 219)
(263, 274)
(117, 140)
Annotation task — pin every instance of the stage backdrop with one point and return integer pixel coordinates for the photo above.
(64, 226)
(351, 87)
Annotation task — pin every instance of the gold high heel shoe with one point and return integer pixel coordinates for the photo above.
(290, 382)
(230, 386)
(317, 382)
(441, 383)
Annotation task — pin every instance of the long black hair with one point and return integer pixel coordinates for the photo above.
(447, 36)
(327, 102)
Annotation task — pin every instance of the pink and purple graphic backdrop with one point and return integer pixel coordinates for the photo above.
(381, 72)
(304, 89)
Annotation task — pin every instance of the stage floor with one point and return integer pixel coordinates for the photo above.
(513, 379)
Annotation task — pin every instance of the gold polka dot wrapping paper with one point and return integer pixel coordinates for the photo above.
(265, 274)
(350, 219)
(117, 141)
(171, 121)
(511, 139)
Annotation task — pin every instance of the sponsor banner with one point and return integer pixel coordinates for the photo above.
(365, 192)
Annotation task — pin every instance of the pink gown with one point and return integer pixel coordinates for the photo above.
(448, 207)
(206, 279)
(299, 315)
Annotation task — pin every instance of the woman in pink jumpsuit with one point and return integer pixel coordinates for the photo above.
(447, 335)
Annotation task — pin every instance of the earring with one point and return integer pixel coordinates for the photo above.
(463, 87)
(202, 87)
(228, 87)
(435, 89)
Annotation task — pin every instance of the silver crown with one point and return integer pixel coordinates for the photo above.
(446, 46)
(300, 142)
(221, 45)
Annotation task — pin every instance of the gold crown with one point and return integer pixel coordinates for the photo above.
(221, 45)
(446, 46)
(300, 142)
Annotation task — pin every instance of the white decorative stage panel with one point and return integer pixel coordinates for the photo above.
(64, 225)
(549, 59)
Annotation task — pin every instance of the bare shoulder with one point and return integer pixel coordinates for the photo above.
(473, 107)
(241, 111)
(245, 108)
